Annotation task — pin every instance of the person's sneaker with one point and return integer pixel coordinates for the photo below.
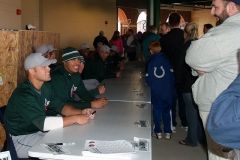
(167, 136)
(174, 130)
(158, 135)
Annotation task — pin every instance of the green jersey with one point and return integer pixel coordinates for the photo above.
(27, 109)
(70, 89)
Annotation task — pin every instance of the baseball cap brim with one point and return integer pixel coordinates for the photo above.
(48, 62)
(37, 60)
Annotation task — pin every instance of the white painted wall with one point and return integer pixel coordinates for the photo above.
(30, 13)
(78, 21)
(8, 17)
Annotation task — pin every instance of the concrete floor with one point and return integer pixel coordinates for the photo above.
(172, 150)
(167, 149)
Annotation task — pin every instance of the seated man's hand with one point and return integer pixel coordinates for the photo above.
(88, 111)
(101, 89)
(82, 118)
(99, 103)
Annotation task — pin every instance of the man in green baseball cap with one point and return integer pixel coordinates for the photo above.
(29, 112)
(68, 86)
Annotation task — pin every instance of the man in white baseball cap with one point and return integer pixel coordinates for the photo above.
(30, 109)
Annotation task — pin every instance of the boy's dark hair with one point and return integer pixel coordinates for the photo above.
(174, 19)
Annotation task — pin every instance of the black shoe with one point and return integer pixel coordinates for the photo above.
(184, 142)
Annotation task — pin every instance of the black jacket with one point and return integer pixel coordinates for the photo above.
(173, 46)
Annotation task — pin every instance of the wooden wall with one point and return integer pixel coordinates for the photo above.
(14, 47)
(8, 64)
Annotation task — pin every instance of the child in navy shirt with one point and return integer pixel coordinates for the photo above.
(161, 81)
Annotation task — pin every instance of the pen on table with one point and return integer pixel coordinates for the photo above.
(64, 144)
(93, 112)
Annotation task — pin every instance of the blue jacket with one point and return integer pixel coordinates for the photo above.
(224, 118)
(160, 79)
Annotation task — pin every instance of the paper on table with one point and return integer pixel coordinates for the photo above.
(119, 149)
(141, 144)
(55, 149)
(142, 123)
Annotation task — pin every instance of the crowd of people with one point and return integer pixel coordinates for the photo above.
(182, 70)
(203, 67)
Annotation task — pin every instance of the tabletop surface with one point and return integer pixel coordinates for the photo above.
(119, 120)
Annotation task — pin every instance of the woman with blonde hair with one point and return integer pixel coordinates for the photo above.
(192, 114)
(190, 32)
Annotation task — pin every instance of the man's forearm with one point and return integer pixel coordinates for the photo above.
(69, 110)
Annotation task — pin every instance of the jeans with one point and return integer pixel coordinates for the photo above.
(237, 154)
(195, 128)
(212, 151)
(181, 110)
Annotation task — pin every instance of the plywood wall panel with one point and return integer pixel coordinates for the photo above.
(9, 79)
(40, 38)
(8, 64)
(25, 48)
(14, 47)
(8, 47)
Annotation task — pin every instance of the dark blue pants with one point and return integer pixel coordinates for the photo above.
(161, 113)
(195, 129)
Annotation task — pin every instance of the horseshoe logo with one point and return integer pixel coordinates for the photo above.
(159, 76)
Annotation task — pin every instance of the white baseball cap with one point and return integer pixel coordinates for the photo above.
(84, 46)
(36, 60)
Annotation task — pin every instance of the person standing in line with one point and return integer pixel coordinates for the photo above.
(160, 79)
(214, 58)
(130, 48)
(164, 28)
(117, 41)
(151, 37)
(100, 39)
(173, 46)
(195, 130)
